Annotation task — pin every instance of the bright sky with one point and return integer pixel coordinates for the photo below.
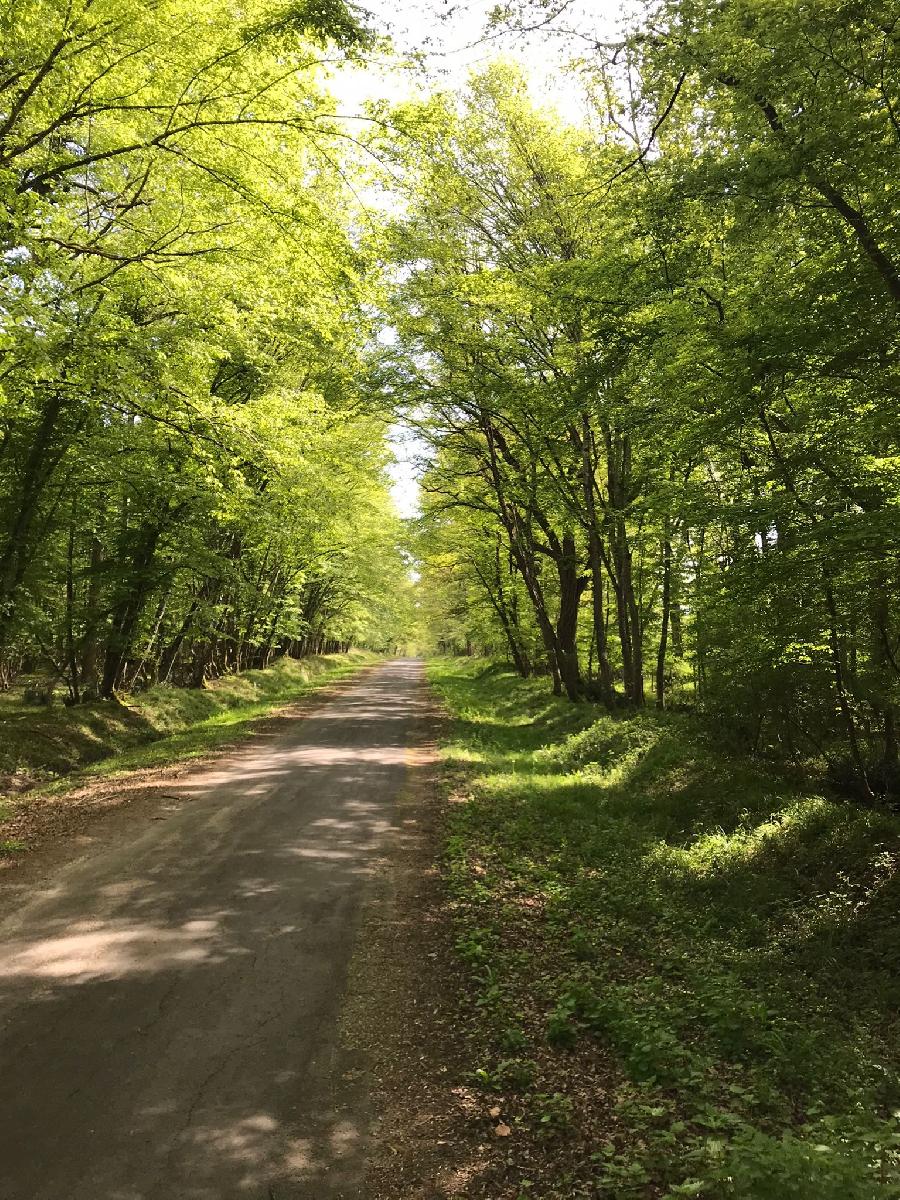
(451, 40)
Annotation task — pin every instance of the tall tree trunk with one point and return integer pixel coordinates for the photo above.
(16, 548)
(523, 555)
(90, 646)
(127, 610)
(843, 697)
(528, 570)
(699, 638)
(595, 562)
(201, 660)
(151, 641)
(170, 654)
(664, 623)
(571, 587)
(882, 661)
(635, 623)
(505, 615)
(619, 489)
(675, 619)
(71, 654)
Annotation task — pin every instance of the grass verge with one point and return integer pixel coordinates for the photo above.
(683, 970)
(54, 749)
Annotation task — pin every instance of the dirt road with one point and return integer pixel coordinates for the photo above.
(169, 1003)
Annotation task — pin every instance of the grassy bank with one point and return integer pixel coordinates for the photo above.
(39, 747)
(684, 970)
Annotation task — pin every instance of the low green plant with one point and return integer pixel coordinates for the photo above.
(552, 1111)
(719, 944)
(515, 1073)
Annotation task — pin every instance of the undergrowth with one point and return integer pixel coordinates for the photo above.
(684, 969)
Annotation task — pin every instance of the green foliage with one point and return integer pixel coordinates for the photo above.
(192, 463)
(853, 1163)
(660, 388)
(704, 948)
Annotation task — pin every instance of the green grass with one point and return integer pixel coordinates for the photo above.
(162, 725)
(684, 969)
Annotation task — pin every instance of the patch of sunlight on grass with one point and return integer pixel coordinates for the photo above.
(718, 852)
(605, 743)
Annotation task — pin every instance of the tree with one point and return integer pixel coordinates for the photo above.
(639, 367)
(184, 445)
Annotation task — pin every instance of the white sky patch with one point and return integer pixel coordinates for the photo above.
(450, 41)
(404, 471)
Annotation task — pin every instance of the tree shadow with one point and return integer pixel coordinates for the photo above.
(703, 864)
(169, 1008)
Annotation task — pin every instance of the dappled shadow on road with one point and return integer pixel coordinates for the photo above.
(168, 1008)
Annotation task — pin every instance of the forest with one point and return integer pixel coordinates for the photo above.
(659, 379)
(192, 451)
(651, 363)
(642, 355)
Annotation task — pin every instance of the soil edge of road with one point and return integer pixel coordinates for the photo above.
(405, 988)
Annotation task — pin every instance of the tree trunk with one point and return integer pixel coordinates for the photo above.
(71, 655)
(618, 467)
(571, 587)
(127, 610)
(844, 702)
(664, 624)
(169, 656)
(595, 562)
(882, 662)
(90, 648)
(16, 548)
(507, 623)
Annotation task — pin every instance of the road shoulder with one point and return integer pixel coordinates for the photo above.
(403, 1007)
